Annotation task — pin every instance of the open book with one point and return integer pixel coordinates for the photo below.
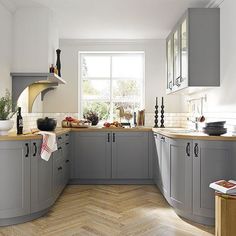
(223, 186)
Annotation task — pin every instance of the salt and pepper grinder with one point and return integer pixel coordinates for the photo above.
(58, 63)
(156, 114)
(162, 113)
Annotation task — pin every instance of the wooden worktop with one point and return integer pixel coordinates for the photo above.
(168, 132)
(192, 135)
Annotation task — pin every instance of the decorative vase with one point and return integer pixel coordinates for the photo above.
(5, 126)
(58, 63)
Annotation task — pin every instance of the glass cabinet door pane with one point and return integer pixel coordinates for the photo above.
(176, 55)
(169, 63)
(184, 51)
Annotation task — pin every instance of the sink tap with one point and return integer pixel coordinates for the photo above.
(195, 122)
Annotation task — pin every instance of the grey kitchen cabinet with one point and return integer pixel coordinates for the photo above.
(157, 161)
(165, 166)
(181, 167)
(195, 57)
(130, 159)
(14, 179)
(41, 179)
(211, 162)
(92, 155)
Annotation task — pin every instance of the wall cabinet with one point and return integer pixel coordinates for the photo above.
(193, 50)
(111, 155)
(14, 179)
(186, 170)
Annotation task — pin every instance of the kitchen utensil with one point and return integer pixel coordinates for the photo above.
(46, 124)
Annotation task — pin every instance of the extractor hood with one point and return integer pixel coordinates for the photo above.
(36, 82)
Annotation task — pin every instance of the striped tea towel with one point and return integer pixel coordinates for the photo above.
(49, 144)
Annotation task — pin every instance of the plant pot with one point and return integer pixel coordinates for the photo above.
(5, 126)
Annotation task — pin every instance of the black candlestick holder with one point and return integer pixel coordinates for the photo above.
(156, 117)
(162, 114)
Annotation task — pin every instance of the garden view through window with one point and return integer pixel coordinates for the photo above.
(110, 81)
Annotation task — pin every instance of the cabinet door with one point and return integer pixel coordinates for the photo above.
(14, 178)
(170, 64)
(181, 174)
(157, 161)
(177, 55)
(67, 160)
(211, 162)
(165, 166)
(184, 53)
(92, 157)
(41, 179)
(58, 171)
(130, 159)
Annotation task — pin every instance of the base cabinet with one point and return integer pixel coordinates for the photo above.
(130, 155)
(14, 179)
(211, 162)
(41, 179)
(111, 156)
(186, 170)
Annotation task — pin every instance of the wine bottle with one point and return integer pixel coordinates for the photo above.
(19, 122)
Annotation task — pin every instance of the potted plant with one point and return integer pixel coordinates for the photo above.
(92, 116)
(7, 110)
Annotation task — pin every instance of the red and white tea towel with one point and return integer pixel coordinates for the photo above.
(49, 144)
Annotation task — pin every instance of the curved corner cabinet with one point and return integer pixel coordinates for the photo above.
(29, 185)
(186, 168)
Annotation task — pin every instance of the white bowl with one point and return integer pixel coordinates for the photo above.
(5, 126)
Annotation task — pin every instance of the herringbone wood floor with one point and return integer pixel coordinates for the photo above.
(109, 210)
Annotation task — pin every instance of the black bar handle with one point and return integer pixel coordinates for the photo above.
(59, 168)
(27, 150)
(188, 149)
(114, 137)
(67, 135)
(108, 137)
(196, 149)
(35, 149)
(163, 139)
(67, 143)
(59, 137)
(67, 161)
(59, 148)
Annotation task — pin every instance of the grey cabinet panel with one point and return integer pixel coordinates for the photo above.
(181, 174)
(14, 178)
(157, 161)
(92, 156)
(165, 166)
(211, 162)
(130, 155)
(41, 179)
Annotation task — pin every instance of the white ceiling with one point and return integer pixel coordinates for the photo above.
(113, 19)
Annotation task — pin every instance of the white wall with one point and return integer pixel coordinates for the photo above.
(65, 97)
(223, 99)
(5, 49)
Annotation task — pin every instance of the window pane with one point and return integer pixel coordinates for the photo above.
(96, 89)
(96, 66)
(127, 89)
(128, 66)
(129, 107)
(102, 108)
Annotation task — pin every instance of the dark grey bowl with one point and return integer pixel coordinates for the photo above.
(216, 124)
(213, 131)
(46, 124)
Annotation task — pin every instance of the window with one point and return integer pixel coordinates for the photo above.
(111, 80)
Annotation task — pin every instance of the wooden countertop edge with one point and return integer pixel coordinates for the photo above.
(59, 131)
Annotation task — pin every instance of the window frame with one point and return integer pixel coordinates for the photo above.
(110, 100)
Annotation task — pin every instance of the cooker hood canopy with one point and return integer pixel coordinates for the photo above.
(36, 82)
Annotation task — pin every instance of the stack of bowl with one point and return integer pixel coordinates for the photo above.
(215, 128)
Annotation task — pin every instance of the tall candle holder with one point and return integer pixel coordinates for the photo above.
(156, 114)
(162, 113)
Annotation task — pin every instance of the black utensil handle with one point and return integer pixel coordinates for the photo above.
(35, 149)
(27, 150)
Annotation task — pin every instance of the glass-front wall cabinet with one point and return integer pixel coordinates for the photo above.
(177, 58)
(184, 54)
(170, 64)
